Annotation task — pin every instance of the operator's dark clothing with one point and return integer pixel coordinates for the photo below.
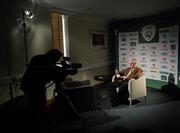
(41, 70)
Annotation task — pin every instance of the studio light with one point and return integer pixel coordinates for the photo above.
(29, 14)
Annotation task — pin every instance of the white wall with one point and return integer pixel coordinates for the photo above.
(81, 51)
(12, 49)
(38, 36)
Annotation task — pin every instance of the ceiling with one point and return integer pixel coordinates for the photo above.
(112, 9)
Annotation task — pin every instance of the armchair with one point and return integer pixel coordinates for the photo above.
(137, 89)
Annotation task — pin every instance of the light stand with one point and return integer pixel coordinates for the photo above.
(25, 16)
(24, 31)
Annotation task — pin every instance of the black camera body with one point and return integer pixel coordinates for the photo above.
(71, 69)
(66, 63)
(66, 69)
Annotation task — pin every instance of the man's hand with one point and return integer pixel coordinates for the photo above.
(123, 77)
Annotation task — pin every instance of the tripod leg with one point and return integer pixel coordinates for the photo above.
(74, 109)
(61, 92)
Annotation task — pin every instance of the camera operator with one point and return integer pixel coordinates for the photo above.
(41, 70)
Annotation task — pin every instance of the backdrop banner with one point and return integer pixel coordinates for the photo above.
(156, 50)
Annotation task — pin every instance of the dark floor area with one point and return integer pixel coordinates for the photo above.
(160, 113)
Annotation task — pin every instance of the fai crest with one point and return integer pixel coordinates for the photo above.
(148, 32)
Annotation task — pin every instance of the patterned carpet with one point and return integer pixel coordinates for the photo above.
(160, 113)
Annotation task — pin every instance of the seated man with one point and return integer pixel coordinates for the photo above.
(118, 89)
(112, 86)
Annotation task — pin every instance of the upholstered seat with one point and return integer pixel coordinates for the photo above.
(137, 88)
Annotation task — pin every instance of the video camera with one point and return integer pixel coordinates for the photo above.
(68, 67)
(66, 63)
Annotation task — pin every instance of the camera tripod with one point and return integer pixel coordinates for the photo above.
(61, 101)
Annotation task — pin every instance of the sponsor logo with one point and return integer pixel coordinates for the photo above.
(172, 41)
(143, 65)
(133, 34)
(172, 53)
(133, 39)
(142, 47)
(153, 52)
(123, 62)
(163, 72)
(144, 54)
(173, 35)
(172, 61)
(133, 49)
(153, 71)
(172, 70)
(122, 48)
(173, 47)
(164, 59)
(154, 60)
(163, 46)
(172, 66)
(153, 48)
(164, 77)
(164, 54)
(123, 39)
(153, 75)
(123, 54)
(153, 66)
(123, 65)
(164, 42)
(133, 52)
(164, 36)
(123, 44)
(132, 44)
(173, 30)
(143, 59)
(164, 67)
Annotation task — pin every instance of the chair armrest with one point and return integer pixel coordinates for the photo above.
(113, 77)
(137, 88)
(131, 80)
